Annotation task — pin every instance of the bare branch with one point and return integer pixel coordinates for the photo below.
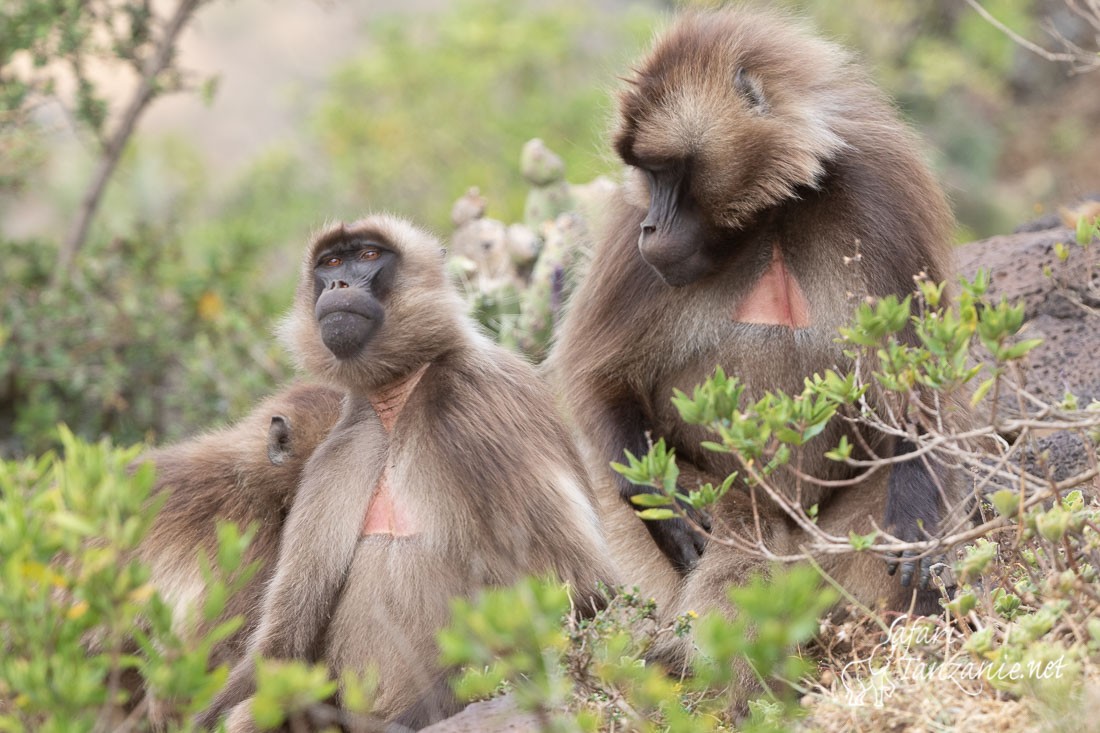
(115, 143)
(1080, 60)
(1018, 39)
(1091, 15)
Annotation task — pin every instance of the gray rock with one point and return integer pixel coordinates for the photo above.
(1060, 307)
(1057, 456)
(498, 715)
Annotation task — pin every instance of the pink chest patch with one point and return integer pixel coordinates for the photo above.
(385, 513)
(775, 299)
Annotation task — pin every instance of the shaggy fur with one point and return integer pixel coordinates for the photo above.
(785, 150)
(232, 475)
(478, 463)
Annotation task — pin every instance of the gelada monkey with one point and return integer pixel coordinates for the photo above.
(448, 471)
(247, 474)
(771, 187)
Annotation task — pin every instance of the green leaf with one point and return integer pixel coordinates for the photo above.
(76, 524)
(1017, 351)
(932, 292)
(476, 683)
(651, 500)
(267, 712)
(790, 436)
(1052, 524)
(216, 596)
(1005, 603)
(861, 542)
(636, 473)
(980, 641)
(1085, 230)
(979, 285)
(814, 430)
(981, 391)
(842, 451)
(1006, 502)
(653, 514)
(963, 603)
(671, 473)
(977, 559)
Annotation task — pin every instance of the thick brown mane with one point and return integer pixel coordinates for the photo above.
(773, 187)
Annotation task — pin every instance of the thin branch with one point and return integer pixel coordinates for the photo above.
(1079, 59)
(823, 543)
(1018, 39)
(1090, 15)
(145, 93)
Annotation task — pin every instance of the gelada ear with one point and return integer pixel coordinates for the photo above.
(278, 440)
(749, 87)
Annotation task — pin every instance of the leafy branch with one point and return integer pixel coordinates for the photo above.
(768, 436)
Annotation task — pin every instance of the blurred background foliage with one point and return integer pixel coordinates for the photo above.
(164, 325)
(431, 109)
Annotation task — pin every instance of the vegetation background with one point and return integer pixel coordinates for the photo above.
(158, 322)
(300, 112)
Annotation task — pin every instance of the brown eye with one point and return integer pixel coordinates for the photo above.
(332, 262)
(370, 254)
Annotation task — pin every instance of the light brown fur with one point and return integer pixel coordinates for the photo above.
(478, 461)
(227, 475)
(790, 146)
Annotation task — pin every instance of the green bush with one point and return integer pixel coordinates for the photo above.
(80, 624)
(77, 615)
(130, 347)
(588, 675)
(163, 330)
(82, 630)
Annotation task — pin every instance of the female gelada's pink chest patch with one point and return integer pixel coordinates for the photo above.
(386, 515)
(775, 299)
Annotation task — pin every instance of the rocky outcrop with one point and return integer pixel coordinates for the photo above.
(1062, 302)
(1061, 296)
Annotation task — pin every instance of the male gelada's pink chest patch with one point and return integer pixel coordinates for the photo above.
(775, 299)
(385, 513)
